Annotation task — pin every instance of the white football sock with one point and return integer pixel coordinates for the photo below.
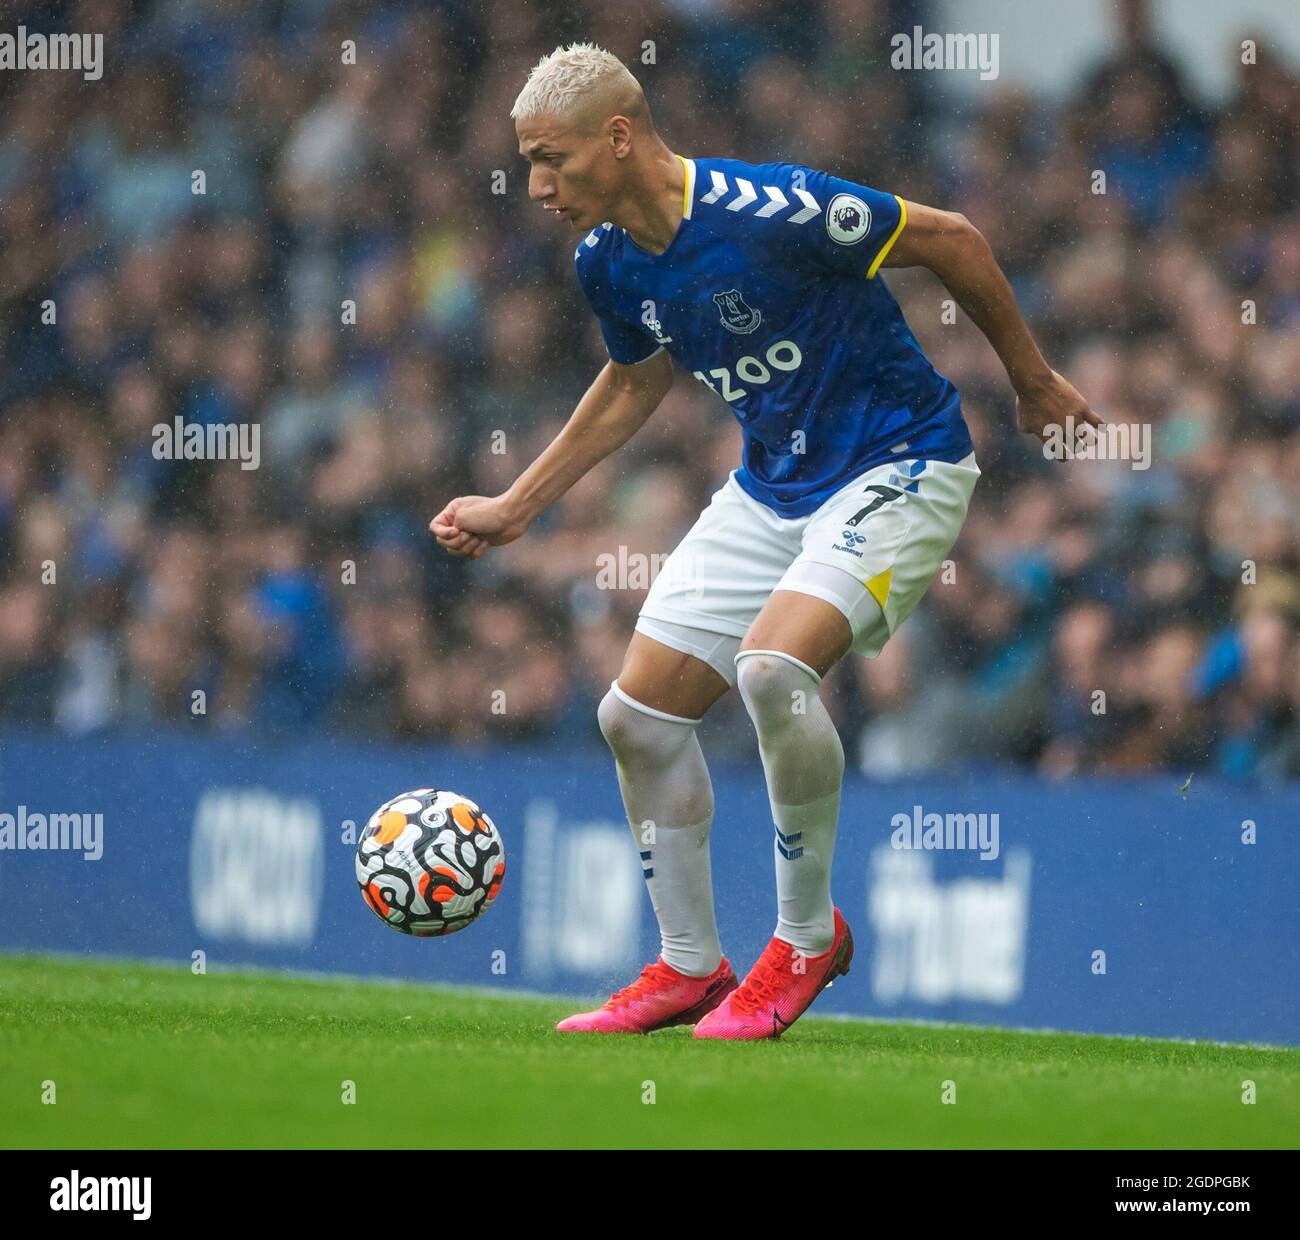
(669, 802)
(804, 763)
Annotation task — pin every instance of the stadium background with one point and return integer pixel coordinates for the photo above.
(372, 183)
(328, 182)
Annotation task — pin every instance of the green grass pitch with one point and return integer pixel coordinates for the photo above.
(142, 1056)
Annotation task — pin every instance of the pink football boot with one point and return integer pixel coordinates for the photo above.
(778, 989)
(660, 997)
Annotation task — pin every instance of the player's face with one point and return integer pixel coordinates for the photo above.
(572, 174)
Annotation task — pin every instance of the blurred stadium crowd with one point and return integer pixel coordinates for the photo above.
(1173, 591)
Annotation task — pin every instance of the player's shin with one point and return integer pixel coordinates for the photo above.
(803, 760)
(668, 797)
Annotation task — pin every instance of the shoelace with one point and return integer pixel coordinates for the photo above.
(764, 983)
(651, 976)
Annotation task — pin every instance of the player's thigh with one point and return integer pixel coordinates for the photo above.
(718, 580)
(813, 630)
(670, 680)
(874, 548)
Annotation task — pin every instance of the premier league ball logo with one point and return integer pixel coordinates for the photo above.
(848, 219)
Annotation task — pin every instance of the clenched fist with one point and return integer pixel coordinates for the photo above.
(1054, 402)
(470, 524)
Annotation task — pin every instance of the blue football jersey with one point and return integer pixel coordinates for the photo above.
(769, 295)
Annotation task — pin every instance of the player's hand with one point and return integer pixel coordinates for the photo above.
(1053, 402)
(470, 524)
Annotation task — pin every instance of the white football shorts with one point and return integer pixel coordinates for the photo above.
(872, 549)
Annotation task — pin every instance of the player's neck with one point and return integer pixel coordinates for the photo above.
(651, 209)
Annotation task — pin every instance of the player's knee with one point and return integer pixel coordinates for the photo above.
(775, 691)
(611, 717)
(635, 736)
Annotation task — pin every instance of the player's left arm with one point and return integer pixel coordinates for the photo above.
(955, 250)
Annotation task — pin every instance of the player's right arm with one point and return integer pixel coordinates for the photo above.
(615, 407)
(950, 246)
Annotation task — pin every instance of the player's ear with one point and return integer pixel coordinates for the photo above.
(619, 132)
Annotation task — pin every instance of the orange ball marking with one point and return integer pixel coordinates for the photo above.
(464, 816)
(390, 827)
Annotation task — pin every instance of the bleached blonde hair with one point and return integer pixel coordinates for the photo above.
(572, 80)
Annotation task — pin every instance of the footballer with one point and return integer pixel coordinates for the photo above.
(763, 282)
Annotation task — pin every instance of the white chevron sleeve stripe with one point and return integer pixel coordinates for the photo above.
(778, 202)
(719, 187)
(810, 207)
(744, 198)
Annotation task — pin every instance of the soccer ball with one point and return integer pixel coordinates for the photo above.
(429, 862)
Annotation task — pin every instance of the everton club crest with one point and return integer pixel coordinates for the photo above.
(736, 315)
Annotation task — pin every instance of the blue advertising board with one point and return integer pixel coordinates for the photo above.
(1129, 907)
